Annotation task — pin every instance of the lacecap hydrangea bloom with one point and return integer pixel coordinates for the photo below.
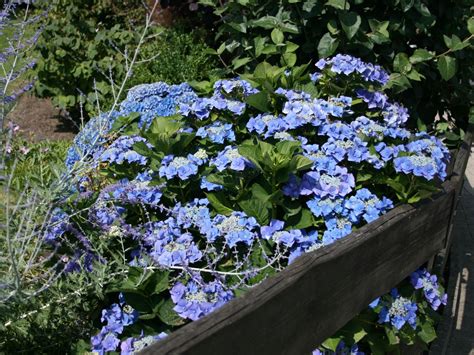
(215, 192)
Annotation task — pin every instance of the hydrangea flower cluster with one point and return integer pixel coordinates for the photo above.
(116, 318)
(121, 151)
(399, 311)
(198, 298)
(150, 100)
(423, 280)
(223, 194)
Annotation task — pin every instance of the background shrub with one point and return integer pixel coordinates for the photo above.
(426, 45)
(78, 49)
(176, 56)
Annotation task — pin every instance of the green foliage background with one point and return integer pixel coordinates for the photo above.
(426, 45)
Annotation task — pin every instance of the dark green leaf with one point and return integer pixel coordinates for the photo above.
(260, 101)
(350, 22)
(327, 45)
(420, 55)
(256, 208)
(339, 4)
(168, 315)
(220, 203)
(447, 67)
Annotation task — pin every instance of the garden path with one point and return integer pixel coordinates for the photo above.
(40, 120)
(456, 334)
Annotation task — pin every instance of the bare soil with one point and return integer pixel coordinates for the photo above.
(39, 120)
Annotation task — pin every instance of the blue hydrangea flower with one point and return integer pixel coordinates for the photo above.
(336, 184)
(341, 349)
(346, 64)
(235, 87)
(105, 215)
(292, 187)
(210, 186)
(321, 160)
(181, 167)
(155, 100)
(133, 345)
(230, 157)
(419, 165)
(353, 149)
(274, 231)
(422, 279)
(325, 207)
(121, 150)
(306, 243)
(267, 125)
(104, 342)
(134, 192)
(374, 99)
(175, 250)
(337, 130)
(366, 205)
(217, 132)
(337, 227)
(193, 214)
(89, 142)
(115, 318)
(198, 298)
(399, 311)
(237, 227)
(395, 115)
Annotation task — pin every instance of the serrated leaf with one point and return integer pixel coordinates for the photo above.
(427, 333)
(420, 55)
(259, 44)
(470, 25)
(219, 203)
(350, 22)
(256, 208)
(447, 67)
(289, 59)
(401, 63)
(260, 101)
(332, 343)
(338, 4)
(327, 45)
(168, 315)
(277, 36)
(239, 62)
(407, 4)
(300, 162)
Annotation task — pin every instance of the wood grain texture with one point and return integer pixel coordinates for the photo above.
(295, 310)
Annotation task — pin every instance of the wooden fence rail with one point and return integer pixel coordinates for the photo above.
(295, 310)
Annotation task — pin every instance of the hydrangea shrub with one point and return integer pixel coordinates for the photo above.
(206, 191)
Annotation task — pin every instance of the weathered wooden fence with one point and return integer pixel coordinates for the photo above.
(297, 309)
